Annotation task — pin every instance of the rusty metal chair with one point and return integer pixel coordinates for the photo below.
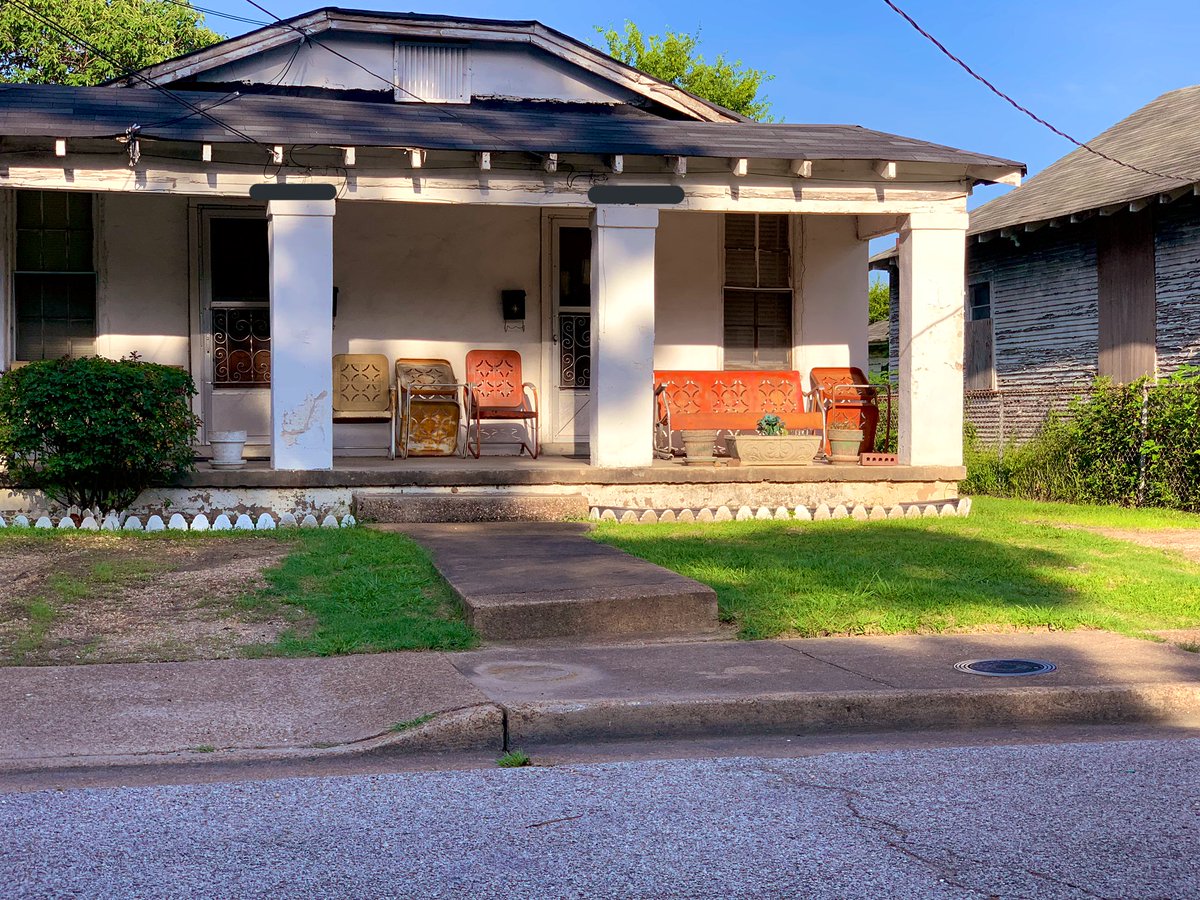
(429, 413)
(495, 392)
(849, 400)
(362, 392)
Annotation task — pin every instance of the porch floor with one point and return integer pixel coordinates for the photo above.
(453, 471)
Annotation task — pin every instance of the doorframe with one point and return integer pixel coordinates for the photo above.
(552, 220)
(201, 305)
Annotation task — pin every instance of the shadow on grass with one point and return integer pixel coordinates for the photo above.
(900, 577)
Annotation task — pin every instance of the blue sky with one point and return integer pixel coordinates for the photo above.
(1081, 65)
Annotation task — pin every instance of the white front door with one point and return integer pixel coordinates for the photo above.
(235, 324)
(569, 358)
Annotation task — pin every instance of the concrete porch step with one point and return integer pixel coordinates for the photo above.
(468, 506)
(542, 581)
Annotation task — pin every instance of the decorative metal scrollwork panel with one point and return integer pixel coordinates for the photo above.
(241, 347)
(575, 350)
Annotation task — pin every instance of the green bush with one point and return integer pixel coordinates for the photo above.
(96, 432)
(1133, 445)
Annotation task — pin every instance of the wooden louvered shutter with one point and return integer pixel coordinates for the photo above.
(758, 293)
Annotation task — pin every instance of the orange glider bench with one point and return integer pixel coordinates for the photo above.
(729, 401)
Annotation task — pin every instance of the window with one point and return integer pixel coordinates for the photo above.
(574, 308)
(758, 292)
(979, 301)
(54, 282)
(241, 317)
(979, 370)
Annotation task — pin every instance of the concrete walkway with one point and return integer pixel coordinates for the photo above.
(233, 710)
(523, 581)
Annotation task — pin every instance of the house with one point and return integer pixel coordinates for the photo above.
(461, 154)
(878, 348)
(1089, 268)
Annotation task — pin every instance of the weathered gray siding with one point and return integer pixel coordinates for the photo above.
(1043, 305)
(894, 322)
(1177, 285)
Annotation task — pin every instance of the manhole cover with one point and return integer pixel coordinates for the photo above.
(1005, 667)
(524, 672)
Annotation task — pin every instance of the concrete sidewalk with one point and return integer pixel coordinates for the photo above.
(97, 715)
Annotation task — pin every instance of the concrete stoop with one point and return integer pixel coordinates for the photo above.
(533, 582)
(469, 506)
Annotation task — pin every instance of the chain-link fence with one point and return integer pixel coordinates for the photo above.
(1137, 445)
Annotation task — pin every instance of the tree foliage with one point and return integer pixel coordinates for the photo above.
(95, 432)
(672, 57)
(134, 33)
(879, 301)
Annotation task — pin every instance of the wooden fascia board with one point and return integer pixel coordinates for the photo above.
(259, 41)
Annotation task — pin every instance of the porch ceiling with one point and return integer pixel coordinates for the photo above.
(66, 112)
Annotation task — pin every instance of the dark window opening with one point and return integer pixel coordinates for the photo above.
(54, 281)
(979, 301)
(574, 307)
(239, 264)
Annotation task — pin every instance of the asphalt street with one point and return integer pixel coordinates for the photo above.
(1116, 819)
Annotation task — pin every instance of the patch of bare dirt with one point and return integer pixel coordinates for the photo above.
(99, 598)
(1181, 540)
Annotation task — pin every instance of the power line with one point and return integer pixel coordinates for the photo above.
(388, 81)
(132, 74)
(1083, 145)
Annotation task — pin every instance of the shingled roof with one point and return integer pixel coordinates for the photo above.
(66, 112)
(1163, 137)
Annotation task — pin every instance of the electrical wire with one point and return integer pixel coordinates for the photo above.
(1083, 145)
(391, 83)
(50, 23)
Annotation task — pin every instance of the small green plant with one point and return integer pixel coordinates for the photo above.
(412, 723)
(205, 748)
(95, 432)
(514, 759)
(771, 425)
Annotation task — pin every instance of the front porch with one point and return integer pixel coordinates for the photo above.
(662, 485)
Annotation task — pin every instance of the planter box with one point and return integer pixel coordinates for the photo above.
(775, 450)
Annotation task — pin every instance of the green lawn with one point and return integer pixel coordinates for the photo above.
(367, 591)
(78, 597)
(1010, 564)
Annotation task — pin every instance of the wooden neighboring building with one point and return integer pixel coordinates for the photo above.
(1090, 268)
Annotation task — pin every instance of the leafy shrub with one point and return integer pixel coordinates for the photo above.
(96, 432)
(1134, 445)
(771, 425)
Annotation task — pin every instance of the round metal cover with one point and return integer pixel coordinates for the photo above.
(1005, 668)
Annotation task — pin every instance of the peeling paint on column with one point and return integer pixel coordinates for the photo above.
(304, 418)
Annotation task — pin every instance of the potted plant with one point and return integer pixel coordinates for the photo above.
(227, 449)
(774, 445)
(698, 445)
(844, 444)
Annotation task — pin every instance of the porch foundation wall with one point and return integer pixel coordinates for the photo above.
(339, 500)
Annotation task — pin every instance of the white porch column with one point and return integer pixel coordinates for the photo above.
(622, 433)
(301, 240)
(932, 282)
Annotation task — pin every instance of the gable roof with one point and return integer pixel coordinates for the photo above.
(423, 26)
(60, 111)
(1163, 136)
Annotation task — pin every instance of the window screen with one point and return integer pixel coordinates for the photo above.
(758, 292)
(979, 304)
(54, 282)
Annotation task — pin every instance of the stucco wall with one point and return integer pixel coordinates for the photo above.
(831, 294)
(144, 261)
(688, 295)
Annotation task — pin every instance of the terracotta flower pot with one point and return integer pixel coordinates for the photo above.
(844, 444)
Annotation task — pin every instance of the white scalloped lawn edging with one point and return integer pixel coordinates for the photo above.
(931, 509)
(93, 520)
